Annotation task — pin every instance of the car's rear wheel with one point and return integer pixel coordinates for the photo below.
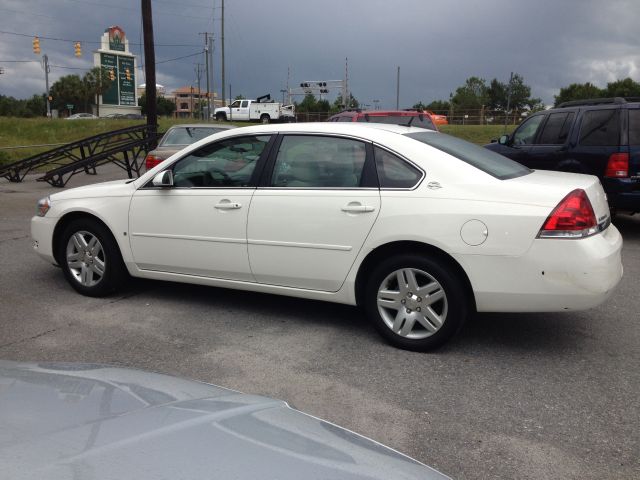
(264, 118)
(416, 302)
(90, 258)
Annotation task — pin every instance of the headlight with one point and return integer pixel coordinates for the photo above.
(44, 204)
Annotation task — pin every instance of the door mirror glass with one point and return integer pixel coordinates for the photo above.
(503, 140)
(163, 179)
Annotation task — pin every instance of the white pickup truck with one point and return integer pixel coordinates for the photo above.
(260, 110)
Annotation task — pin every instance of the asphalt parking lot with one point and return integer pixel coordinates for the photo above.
(535, 396)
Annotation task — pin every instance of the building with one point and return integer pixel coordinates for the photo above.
(187, 101)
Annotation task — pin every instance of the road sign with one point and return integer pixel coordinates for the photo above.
(70, 106)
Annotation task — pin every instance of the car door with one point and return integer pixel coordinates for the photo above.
(198, 226)
(240, 110)
(518, 146)
(309, 219)
(549, 150)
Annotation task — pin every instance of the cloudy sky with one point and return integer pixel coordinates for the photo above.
(436, 44)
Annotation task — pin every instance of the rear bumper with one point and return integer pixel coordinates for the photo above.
(623, 193)
(554, 275)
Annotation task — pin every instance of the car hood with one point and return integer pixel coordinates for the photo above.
(114, 188)
(71, 421)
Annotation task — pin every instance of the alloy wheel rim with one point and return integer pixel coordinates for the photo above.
(85, 258)
(412, 303)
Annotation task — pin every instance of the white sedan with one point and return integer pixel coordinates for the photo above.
(418, 228)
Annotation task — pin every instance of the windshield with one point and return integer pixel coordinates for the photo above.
(186, 135)
(481, 158)
(408, 120)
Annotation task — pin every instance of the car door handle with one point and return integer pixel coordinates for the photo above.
(228, 205)
(357, 208)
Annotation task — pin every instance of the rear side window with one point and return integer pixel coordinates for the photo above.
(481, 158)
(634, 126)
(600, 127)
(393, 172)
(556, 130)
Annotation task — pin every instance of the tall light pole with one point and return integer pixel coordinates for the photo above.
(224, 103)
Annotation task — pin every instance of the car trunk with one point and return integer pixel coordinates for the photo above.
(544, 187)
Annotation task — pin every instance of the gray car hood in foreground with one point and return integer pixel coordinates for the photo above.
(80, 422)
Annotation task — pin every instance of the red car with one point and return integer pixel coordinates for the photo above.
(438, 119)
(394, 117)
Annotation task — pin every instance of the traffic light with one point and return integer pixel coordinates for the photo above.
(322, 84)
(36, 45)
(324, 90)
(127, 73)
(112, 74)
(78, 49)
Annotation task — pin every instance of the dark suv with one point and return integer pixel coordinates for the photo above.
(600, 137)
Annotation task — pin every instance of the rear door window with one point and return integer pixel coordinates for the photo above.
(634, 126)
(556, 129)
(600, 128)
(309, 161)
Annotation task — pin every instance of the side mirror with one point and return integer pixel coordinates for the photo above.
(163, 179)
(503, 140)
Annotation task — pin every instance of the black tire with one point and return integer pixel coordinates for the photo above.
(221, 117)
(452, 309)
(264, 118)
(107, 258)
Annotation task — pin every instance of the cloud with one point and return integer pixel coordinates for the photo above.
(436, 44)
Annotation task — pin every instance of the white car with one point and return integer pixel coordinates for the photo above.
(416, 227)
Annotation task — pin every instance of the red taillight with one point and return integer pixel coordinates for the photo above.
(618, 165)
(151, 161)
(572, 218)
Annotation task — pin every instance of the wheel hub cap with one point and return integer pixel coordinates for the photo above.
(412, 303)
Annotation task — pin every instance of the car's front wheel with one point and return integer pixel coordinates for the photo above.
(90, 258)
(416, 302)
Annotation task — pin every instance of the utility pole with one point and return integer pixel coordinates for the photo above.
(398, 90)
(199, 91)
(47, 69)
(224, 102)
(506, 113)
(149, 65)
(206, 63)
(213, 77)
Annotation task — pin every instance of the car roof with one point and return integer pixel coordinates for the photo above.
(348, 128)
(201, 125)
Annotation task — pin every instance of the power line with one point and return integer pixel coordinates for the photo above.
(118, 7)
(93, 41)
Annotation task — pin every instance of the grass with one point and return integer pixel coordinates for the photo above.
(38, 131)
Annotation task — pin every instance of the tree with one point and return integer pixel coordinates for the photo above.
(623, 88)
(518, 97)
(96, 82)
(164, 106)
(68, 90)
(311, 104)
(578, 91)
(338, 104)
(472, 95)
